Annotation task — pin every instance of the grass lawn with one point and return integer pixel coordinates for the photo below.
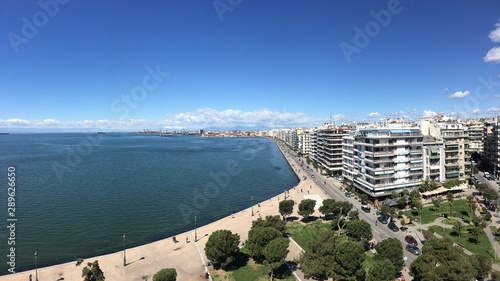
(429, 213)
(483, 247)
(245, 269)
(302, 233)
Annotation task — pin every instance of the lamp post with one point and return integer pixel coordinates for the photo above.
(124, 256)
(251, 199)
(195, 236)
(36, 267)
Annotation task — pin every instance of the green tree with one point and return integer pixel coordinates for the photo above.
(482, 265)
(327, 206)
(451, 183)
(359, 230)
(348, 261)
(495, 275)
(450, 198)
(440, 260)
(275, 253)
(385, 209)
(286, 208)
(92, 272)
(381, 270)
(363, 197)
(471, 201)
(401, 202)
(221, 246)
(390, 249)
(165, 274)
(394, 194)
(341, 213)
(353, 215)
(436, 201)
(317, 261)
(270, 221)
(428, 185)
(258, 238)
(489, 193)
(458, 226)
(306, 208)
(478, 224)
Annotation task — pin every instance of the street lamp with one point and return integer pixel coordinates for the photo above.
(36, 267)
(195, 236)
(251, 198)
(124, 256)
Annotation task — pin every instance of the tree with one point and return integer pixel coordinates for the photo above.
(401, 202)
(392, 250)
(478, 226)
(341, 211)
(92, 272)
(394, 194)
(348, 261)
(275, 253)
(381, 270)
(165, 274)
(451, 183)
(428, 185)
(482, 264)
(450, 199)
(353, 215)
(306, 208)
(359, 230)
(458, 226)
(318, 259)
(385, 209)
(286, 208)
(221, 246)
(270, 221)
(363, 197)
(327, 206)
(258, 238)
(471, 201)
(440, 260)
(436, 201)
(495, 275)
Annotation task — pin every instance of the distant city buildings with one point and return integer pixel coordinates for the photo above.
(394, 155)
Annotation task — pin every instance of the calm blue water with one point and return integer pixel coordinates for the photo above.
(77, 194)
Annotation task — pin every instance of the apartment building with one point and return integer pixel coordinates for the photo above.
(384, 159)
(328, 149)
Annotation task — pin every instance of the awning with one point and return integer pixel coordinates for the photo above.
(435, 150)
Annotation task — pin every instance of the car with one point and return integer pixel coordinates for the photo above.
(413, 249)
(411, 240)
(403, 228)
(392, 226)
(382, 219)
(365, 208)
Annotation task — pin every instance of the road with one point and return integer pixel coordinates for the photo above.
(331, 187)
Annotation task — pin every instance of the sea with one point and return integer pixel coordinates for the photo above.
(77, 194)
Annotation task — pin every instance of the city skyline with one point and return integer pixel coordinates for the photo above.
(249, 64)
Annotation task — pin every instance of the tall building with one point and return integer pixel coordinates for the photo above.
(328, 150)
(384, 159)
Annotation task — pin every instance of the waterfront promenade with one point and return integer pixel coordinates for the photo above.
(188, 258)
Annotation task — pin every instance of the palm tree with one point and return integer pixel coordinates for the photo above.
(458, 226)
(450, 199)
(471, 201)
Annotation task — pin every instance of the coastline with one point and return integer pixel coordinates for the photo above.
(187, 258)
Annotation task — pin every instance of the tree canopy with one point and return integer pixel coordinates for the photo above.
(286, 207)
(381, 270)
(221, 246)
(275, 253)
(318, 260)
(165, 274)
(306, 207)
(327, 206)
(92, 272)
(348, 261)
(270, 221)
(258, 238)
(359, 230)
(392, 250)
(440, 260)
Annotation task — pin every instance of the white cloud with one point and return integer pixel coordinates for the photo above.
(339, 117)
(493, 55)
(445, 89)
(207, 117)
(494, 110)
(459, 94)
(428, 114)
(496, 96)
(495, 34)
(476, 111)
(373, 114)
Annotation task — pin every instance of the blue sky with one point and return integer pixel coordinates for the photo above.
(129, 65)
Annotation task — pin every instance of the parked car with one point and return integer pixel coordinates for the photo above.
(413, 249)
(411, 240)
(382, 219)
(365, 208)
(392, 226)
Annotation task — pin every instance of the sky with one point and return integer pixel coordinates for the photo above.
(133, 65)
